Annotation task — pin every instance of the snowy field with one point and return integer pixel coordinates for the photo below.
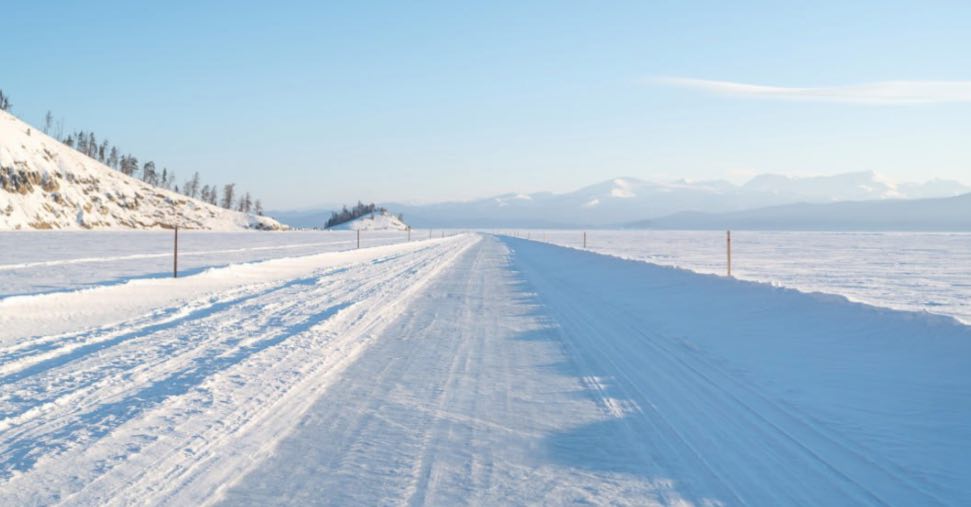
(34, 262)
(471, 369)
(908, 271)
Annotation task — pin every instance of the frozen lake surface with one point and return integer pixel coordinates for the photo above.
(908, 271)
(36, 262)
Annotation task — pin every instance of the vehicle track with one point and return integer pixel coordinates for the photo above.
(101, 398)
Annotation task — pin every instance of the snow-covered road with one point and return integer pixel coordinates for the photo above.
(479, 370)
(166, 407)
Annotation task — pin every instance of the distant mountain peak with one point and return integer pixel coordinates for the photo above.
(624, 199)
(623, 189)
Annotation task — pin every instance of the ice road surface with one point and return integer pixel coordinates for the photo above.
(477, 370)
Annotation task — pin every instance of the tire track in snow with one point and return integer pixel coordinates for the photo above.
(135, 379)
(700, 408)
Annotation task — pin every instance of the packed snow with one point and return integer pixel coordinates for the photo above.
(909, 271)
(471, 369)
(47, 185)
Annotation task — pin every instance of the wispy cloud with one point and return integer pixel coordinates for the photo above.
(881, 92)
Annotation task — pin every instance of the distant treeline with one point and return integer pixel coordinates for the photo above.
(109, 154)
(358, 211)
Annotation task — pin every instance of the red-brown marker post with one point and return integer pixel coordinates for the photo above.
(728, 247)
(175, 255)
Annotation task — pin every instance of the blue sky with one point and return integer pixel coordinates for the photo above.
(318, 102)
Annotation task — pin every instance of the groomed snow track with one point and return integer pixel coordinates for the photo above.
(480, 370)
(164, 407)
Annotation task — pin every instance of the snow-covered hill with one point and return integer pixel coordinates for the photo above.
(384, 221)
(47, 185)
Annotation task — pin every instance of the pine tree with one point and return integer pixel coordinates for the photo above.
(82, 145)
(129, 165)
(4, 102)
(148, 173)
(48, 122)
(258, 207)
(113, 158)
(245, 203)
(191, 187)
(229, 192)
(92, 146)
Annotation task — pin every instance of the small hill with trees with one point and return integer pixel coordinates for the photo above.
(366, 217)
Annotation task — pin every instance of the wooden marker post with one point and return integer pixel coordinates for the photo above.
(584, 239)
(409, 234)
(175, 255)
(359, 238)
(728, 248)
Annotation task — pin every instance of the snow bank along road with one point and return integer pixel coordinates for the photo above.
(479, 370)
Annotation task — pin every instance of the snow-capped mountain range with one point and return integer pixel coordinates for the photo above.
(950, 214)
(47, 185)
(624, 200)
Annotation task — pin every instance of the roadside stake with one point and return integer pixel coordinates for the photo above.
(728, 247)
(175, 255)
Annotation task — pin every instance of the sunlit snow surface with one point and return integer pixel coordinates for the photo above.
(908, 271)
(37, 262)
